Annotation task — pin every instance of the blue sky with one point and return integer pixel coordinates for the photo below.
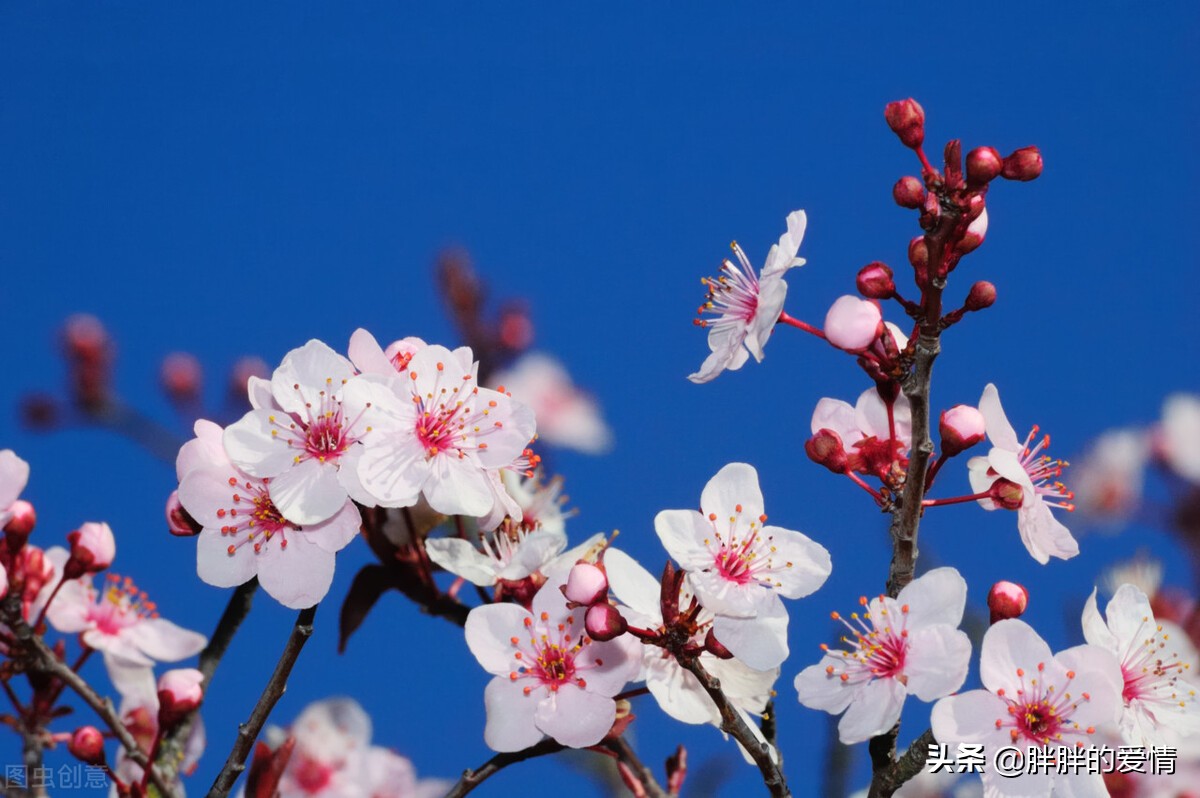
(231, 180)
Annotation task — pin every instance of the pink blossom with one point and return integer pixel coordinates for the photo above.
(747, 306)
(433, 431)
(1179, 435)
(909, 645)
(93, 548)
(739, 567)
(676, 690)
(244, 533)
(586, 584)
(872, 440)
(1111, 475)
(14, 476)
(1023, 464)
(118, 620)
(1157, 664)
(141, 711)
(852, 323)
(550, 677)
(506, 556)
(960, 428)
(1033, 699)
(370, 358)
(300, 436)
(180, 690)
(566, 416)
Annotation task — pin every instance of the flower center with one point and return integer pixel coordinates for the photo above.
(732, 294)
(323, 434)
(1151, 672)
(877, 648)
(120, 605)
(1041, 713)
(1044, 472)
(742, 554)
(252, 511)
(552, 656)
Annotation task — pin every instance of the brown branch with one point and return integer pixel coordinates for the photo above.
(625, 754)
(272, 692)
(471, 779)
(43, 660)
(885, 782)
(733, 724)
(31, 753)
(171, 750)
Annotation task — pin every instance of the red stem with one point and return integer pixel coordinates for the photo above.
(956, 499)
(784, 318)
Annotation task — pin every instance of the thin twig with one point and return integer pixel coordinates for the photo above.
(890, 779)
(32, 747)
(171, 751)
(733, 724)
(625, 753)
(272, 692)
(471, 779)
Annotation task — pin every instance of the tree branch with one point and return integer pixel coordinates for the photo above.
(885, 782)
(171, 750)
(625, 754)
(471, 779)
(733, 724)
(272, 692)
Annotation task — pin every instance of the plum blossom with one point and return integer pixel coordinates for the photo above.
(908, 645)
(301, 436)
(1157, 662)
(1179, 435)
(1033, 699)
(739, 568)
(1110, 478)
(675, 689)
(433, 431)
(852, 323)
(747, 306)
(140, 712)
(1023, 464)
(370, 358)
(873, 437)
(507, 556)
(550, 678)
(333, 758)
(14, 476)
(244, 533)
(566, 416)
(118, 620)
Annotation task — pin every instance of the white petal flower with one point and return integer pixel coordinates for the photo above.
(14, 475)
(566, 416)
(1033, 698)
(747, 306)
(1179, 436)
(739, 567)
(909, 645)
(1158, 665)
(1022, 463)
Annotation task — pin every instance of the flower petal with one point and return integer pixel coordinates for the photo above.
(937, 661)
(510, 716)
(461, 558)
(733, 491)
(969, 717)
(215, 564)
(458, 486)
(874, 709)
(999, 430)
(760, 642)
(309, 492)
(1044, 537)
(251, 446)
(1010, 645)
(682, 533)
(632, 584)
(307, 375)
(818, 688)
(490, 629)
(298, 576)
(165, 641)
(576, 718)
(936, 597)
(801, 564)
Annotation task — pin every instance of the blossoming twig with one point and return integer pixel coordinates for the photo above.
(248, 731)
(471, 779)
(628, 757)
(733, 724)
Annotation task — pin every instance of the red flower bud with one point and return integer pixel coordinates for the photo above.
(826, 448)
(1024, 164)
(918, 253)
(984, 164)
(179, 692)
(960, 428)
(182, 376)
(179, 522)
(87, 745)
(906, 118)
(586, 584)
(909, 192)
(715, 647)
(92, 550)
(875, 281)
(975, 233)
(604, 622)
(1007, 600)
(981, 295)
(20, 524)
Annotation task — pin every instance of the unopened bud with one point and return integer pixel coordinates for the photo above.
(1024, 164)
(715, 647)
(852, 323)
(909, 192)
(86, 339)
(179, 692)
(1006, 494)
(92, 550)
(239, 376)
(918, 253)
(182, 376)
(983, 165)
(676, 770)
(960, 427)
(516, 328)
(87, 745)
(401, 352)
(1007, 600)
(604, 622)
(825, 448)
(875, 281)
(179, 522)
(976, 232)
(22, 520)
(906, 118)
(981, 295)
(586, 584)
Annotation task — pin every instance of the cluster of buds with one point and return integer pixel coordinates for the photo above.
(89, 351)
(587, 586)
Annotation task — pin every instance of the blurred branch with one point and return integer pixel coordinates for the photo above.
(272, 692)
(471, 779)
